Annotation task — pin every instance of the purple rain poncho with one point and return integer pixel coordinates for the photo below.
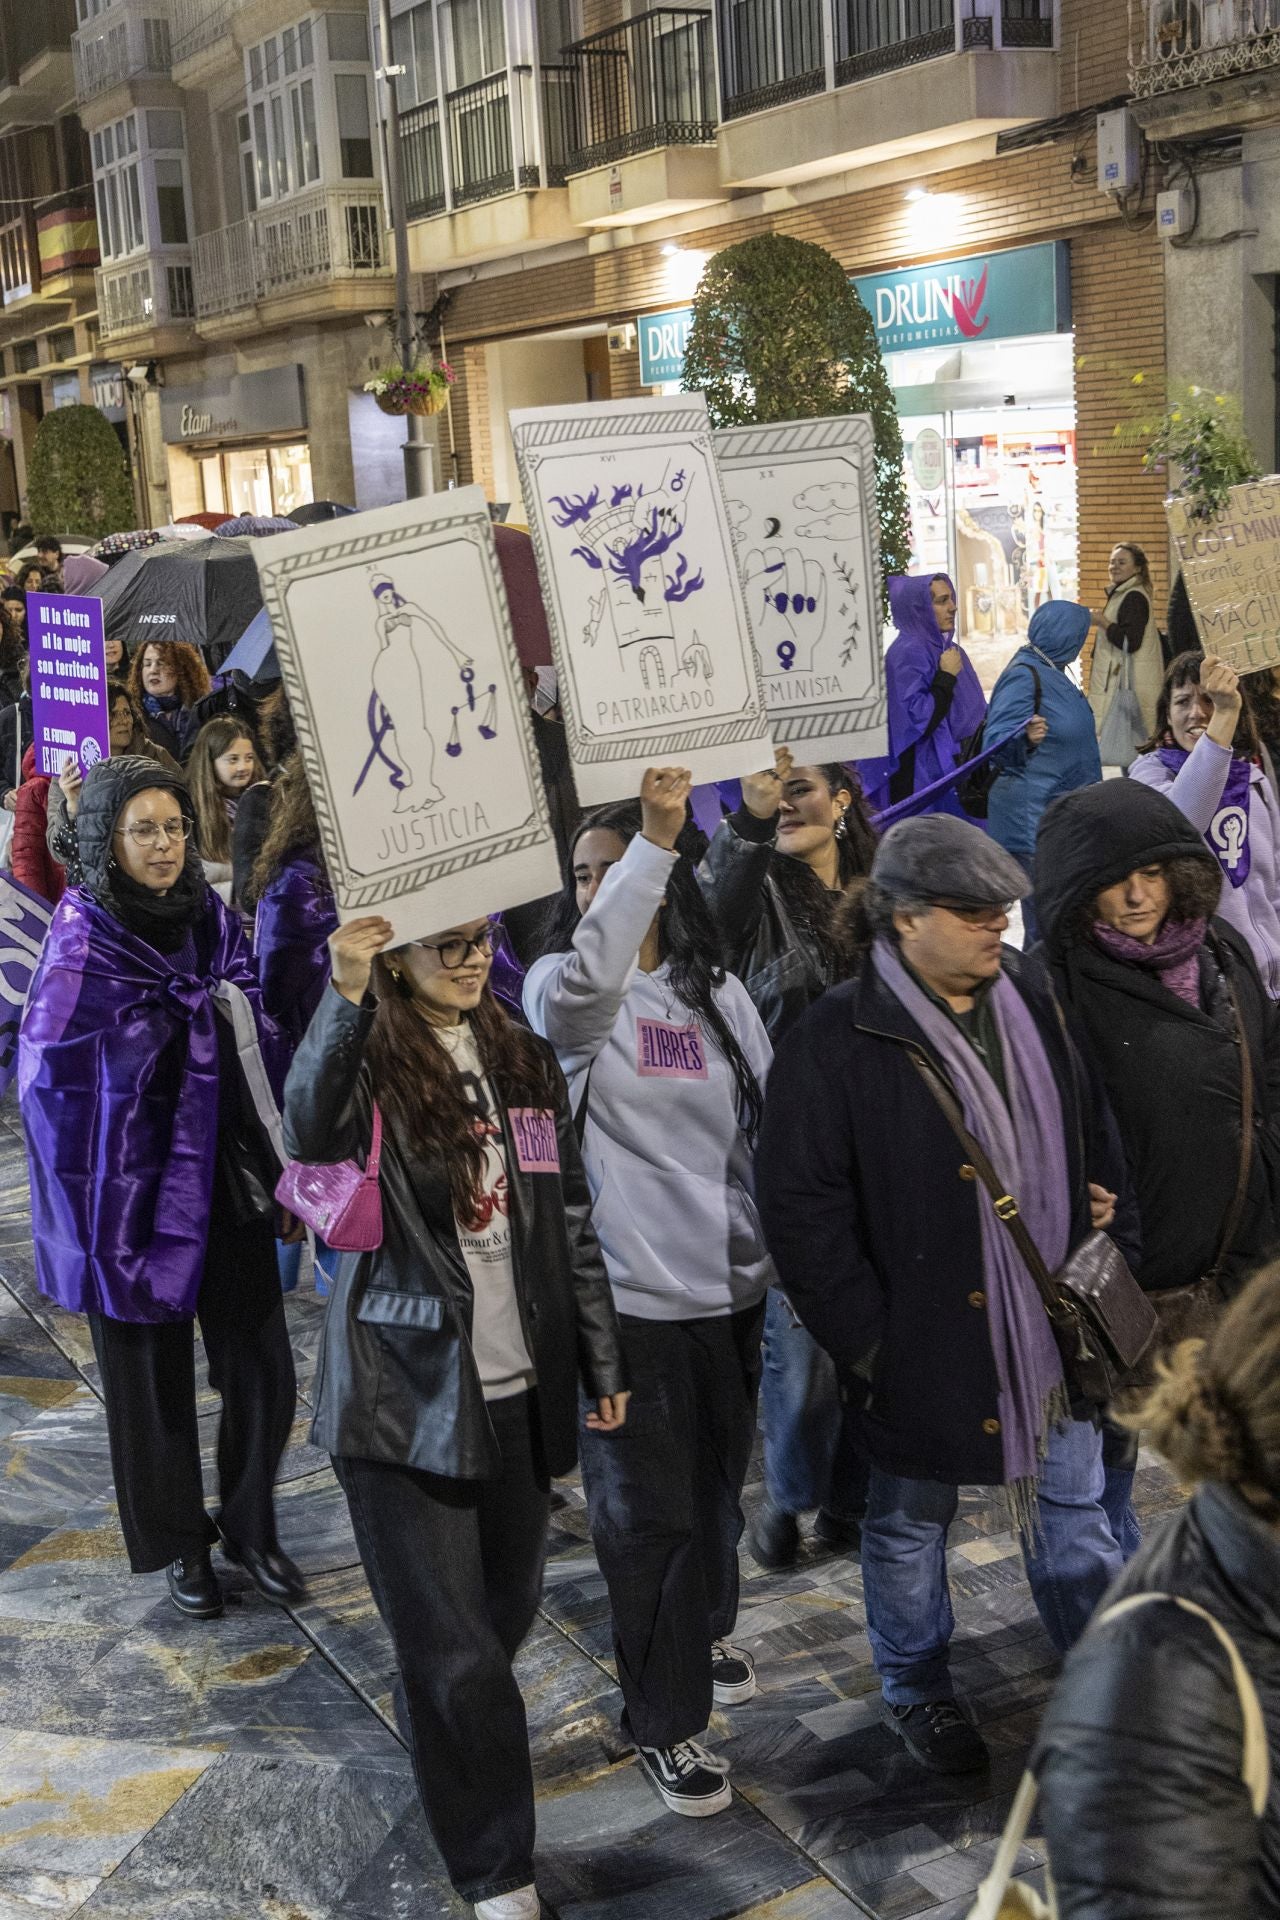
(118, 1087)
(910, 666)
(295, 917)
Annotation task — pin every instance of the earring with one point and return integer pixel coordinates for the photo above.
(841, 829)
(399, 982)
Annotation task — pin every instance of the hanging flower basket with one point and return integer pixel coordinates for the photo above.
(422, 390)
(427, 403)
(391, 402)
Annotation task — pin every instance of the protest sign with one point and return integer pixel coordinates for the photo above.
(801, 498)
(1231, 566)
(397, 655)
(70, 711)
(638, 572)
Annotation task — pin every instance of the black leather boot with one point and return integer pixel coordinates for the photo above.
(193, 1586)
(273, 1573)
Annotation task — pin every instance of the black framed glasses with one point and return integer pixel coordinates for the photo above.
(455, 953)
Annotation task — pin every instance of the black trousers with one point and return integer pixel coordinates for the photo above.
(149, 1386)
(664, 1497)
(455, 1567)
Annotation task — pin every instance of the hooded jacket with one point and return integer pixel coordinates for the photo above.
(32, 862)
(1171, 1070)
(931, 713)
(1029, 779)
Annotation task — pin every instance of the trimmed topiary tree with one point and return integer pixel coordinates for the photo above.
(78, 477)
(779, 333)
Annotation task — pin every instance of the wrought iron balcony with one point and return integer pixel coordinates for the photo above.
(770, 52)
(421, 161)
(317, 239)
(19, 257)
(198, 23)
(223, 270)
(647, 82)
(131, 37)
(1188, 43)
(142, 295)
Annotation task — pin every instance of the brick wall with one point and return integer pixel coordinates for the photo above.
(1094, 61)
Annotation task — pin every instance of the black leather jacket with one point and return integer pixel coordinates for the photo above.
(778, 967)
(397, 1380)
(1139, 1758)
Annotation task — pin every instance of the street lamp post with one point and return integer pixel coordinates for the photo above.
(419, 477)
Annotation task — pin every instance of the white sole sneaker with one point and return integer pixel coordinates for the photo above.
(523, 1904)
(689, 1806)
(733, 1696)
(731, 1693)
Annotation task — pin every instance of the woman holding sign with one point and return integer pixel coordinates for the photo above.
(665, 1057)
(449, 1373)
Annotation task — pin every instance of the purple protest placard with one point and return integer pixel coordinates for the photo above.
(70, 710)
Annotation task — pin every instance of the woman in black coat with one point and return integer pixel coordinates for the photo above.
(1140, 1759)
(448, 1378)
(1126, 897)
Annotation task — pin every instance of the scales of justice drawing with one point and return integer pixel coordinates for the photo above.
(411, 672)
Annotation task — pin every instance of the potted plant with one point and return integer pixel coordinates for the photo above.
(415, 390)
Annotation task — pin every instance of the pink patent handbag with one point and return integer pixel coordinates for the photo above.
(341, 1202)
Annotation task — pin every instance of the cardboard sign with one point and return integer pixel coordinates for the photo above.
(638, 572)
(70, 708)
(1231, 565)
(397, 655)
(801, 498)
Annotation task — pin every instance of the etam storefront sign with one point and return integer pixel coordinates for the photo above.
(986, 296)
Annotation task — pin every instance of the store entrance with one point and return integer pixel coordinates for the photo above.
(266, 481)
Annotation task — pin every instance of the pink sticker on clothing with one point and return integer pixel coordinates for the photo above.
(669, 1053)
(533, 1130)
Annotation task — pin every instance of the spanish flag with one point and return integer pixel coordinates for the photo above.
(68, 235)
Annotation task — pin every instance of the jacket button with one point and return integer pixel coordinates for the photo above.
(991, 1426)
(977, 1299)
(967, 1172)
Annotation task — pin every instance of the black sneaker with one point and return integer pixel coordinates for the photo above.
(938, 1736)
(733, 1674)
(773, 1538)
(687, 1779)
(836, 1533)
(193, 1586)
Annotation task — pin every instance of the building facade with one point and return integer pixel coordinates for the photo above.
(571, 167)
(247, 275)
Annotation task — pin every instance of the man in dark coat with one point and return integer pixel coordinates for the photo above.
(890, 1250)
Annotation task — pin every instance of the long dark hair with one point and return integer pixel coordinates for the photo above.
(1184, 671)
(812, 908)
(292, 829)
(687, 944)
(1262, 698)
(214, 739)
(419, 1092)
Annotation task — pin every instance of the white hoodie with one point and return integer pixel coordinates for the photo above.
(668, 1167)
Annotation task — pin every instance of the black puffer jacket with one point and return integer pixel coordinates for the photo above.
(397, 1380)
(783, 971)
(1171, 1070)
(1139, 1757)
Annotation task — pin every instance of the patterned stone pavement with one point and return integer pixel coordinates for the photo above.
(249, 1769)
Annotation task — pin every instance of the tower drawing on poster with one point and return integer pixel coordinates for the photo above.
(397, 654)
(800, 496)
(637, 565)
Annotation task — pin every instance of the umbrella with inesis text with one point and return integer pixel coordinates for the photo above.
(202, 591)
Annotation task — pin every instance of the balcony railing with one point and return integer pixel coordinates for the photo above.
(560, 135)
(481, 149)
(121, 42)
(645, 83)
(318, 238)
(138, 295)
(198, 23)
(1186, 43)
(770, 52)
(421, 161)
(19, 257)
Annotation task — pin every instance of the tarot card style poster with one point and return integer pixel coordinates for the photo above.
(396, 650)
(801, 499)
(637, 564)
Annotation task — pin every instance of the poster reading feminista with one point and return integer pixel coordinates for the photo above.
(397, 655)
(638, 571)
(70, 714)
(802, 505)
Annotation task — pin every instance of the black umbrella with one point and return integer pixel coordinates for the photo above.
(204, 591)
(318, 510)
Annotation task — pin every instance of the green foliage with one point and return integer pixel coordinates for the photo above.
(779, 333)
(78, 477)
(1201, 435)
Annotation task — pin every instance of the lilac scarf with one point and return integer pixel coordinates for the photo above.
(1227, 834)
(1025, 1143)
(1174, 955)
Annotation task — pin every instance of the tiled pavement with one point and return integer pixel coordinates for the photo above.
(248, 1769)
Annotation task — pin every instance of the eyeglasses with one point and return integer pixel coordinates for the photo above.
(454, 953)
(977, 916)
(148, 833)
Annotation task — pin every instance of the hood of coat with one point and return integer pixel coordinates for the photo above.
(911, 607)
(1059, 630)
(1092, 838)
(108, 789)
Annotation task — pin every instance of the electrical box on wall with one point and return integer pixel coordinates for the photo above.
(1119, 152)
(622, 339)
(1174, 215)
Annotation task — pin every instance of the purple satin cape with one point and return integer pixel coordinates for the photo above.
(118, 1086)
(295, 917)
(909, 666)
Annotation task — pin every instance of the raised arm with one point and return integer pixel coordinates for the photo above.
(736, 865)
(320, 1118)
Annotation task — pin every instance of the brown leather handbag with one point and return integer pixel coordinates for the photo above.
(1102, 1320)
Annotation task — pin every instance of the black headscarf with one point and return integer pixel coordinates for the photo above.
(163, 920)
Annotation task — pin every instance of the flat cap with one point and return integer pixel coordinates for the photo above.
(937, 857)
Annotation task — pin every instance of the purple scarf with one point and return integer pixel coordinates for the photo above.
(1227, 834)
(1174, 955)
(118, 1086)
(1026, 1145)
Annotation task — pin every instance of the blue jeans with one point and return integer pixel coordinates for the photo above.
(811, 1453)
(1120, 1460)
(1069, 1566)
